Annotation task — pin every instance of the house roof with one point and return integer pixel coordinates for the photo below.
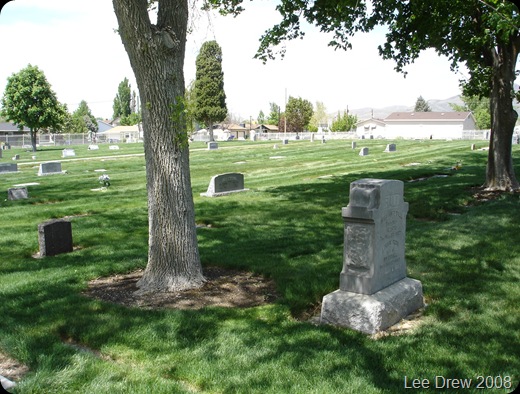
(427, 116)
(270, 127)
(8, 126)
(371, 120)
(121, 129)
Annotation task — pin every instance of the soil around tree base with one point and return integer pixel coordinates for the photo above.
(224, 288)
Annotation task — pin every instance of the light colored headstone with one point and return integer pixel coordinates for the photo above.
(113, 147)
(275, 146)
(391, 148)
(363, 152)
(374, 291)
(17, 193)
(50, 168)
(93, 147)
(223, 184)
(68, 153)
(55, 237)
(212, 145)
(8, 167)
(312, 137)
(353, 144)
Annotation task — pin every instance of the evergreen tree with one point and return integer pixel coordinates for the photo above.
(421, 105)
(29, 101)
(82, 120)
(122, 101)
(274, 114)
(261, 117)
(210, 98)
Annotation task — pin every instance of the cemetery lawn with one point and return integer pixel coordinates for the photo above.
(463, 246)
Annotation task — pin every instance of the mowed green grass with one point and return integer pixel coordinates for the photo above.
(288, 227)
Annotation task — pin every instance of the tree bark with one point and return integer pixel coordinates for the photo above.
(500, 173)
(33, 139)
(156, 53)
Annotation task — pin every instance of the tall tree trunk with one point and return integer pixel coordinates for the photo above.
(156, 53)
(33, 139)
(500, 173)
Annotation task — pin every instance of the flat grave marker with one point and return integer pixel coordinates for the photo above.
(93, 147)
(68, 153)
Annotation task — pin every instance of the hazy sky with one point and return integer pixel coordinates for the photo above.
(74, 43)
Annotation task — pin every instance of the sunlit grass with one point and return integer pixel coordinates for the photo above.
(287, 227)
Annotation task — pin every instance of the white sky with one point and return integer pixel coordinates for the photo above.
(74, 43)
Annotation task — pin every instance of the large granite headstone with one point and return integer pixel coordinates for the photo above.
(55, 237)
(374, 292)
(223, 184)
(17, 193)
(8, 167)
(50, 168)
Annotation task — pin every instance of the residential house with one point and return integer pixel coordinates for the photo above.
(433, 125)
(8, 128)
(371, 127)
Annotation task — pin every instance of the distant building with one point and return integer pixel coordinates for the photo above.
(371, 127)
(8, 128)
(418, 125)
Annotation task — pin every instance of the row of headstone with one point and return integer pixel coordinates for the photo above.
(374, 292)
(223, 184)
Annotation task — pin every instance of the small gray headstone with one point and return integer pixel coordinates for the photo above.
(212, 145)
(363, 152)
(374, 292)
(8, 167)
(353, 144)
(1, 152)
(68, 153)
(312, 137)
(113, 147)
(55, 237)
(323, 140)
(223, 184)
(473, 147)
(285, 142)
(390, 148)
(93, 147)
(50, 168)
(17, 193)
(16, 157)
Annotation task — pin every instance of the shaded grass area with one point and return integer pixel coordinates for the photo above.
(289, 228)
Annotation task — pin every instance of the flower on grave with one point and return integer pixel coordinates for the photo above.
(104, 180)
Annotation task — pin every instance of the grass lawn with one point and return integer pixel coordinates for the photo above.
(288, 227)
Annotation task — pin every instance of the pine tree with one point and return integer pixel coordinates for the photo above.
(210, 98)
(421, 105)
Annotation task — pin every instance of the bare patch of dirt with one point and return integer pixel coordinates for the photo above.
(11, 369)
(224, 288)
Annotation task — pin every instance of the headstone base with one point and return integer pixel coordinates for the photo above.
(372, 313)
(219, 194)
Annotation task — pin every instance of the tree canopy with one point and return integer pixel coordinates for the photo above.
(29, 101)
(482, 34)
(82, 120)
(299, 113)
(479, 106)
(210, 98)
